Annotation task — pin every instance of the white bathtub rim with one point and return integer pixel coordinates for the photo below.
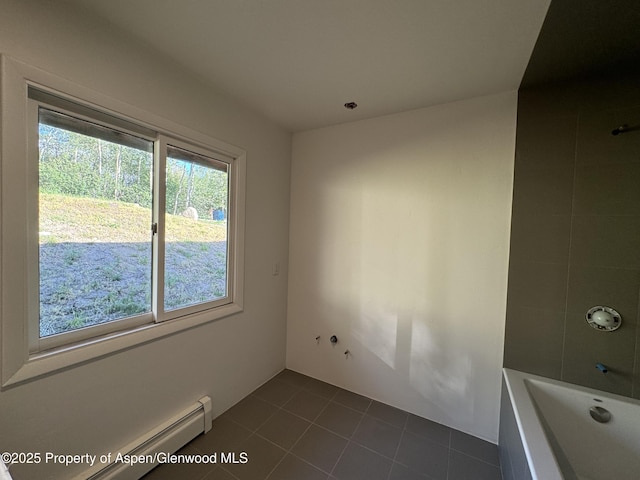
(542, 462)
(539, 452)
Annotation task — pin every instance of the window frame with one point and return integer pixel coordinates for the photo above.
(24, 356)
(39, 344)
(160, 314)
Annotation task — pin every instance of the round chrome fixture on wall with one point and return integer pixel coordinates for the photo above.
(605, 319)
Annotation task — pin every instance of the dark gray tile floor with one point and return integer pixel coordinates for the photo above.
(297, 428)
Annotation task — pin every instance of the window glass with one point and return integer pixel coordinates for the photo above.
(97, 262)
(95, 215)
(196, 229)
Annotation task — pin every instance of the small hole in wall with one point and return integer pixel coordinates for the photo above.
(350, 105)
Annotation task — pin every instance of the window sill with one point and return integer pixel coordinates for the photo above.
(17, 365)
(44, 363)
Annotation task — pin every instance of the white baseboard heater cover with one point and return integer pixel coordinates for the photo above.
(170, 436)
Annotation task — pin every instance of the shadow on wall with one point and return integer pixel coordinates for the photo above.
(398, 293)
(404, 256)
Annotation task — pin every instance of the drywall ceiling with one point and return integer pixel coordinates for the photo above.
(298, 61)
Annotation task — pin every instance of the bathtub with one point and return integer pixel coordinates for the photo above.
(548, 433)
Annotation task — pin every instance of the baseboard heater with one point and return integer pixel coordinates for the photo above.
(169, 437)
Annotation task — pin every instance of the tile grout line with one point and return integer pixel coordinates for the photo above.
(228, 472)
(205, 475)
(449, 454)
(320, 426)
(404, 428)
(311, 423)
(289, 451)
(577, 133)
(254, 432)
(349, 440)
(332, 399)
(473, 457)
(364, 412)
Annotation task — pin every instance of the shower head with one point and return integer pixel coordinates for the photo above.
(624, 129)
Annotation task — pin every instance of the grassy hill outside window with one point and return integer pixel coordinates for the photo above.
(132, 228)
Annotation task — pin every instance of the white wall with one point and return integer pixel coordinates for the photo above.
(106, 403)
(399, 241)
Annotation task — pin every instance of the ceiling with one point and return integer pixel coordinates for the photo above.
(299, 61)
(581, 38)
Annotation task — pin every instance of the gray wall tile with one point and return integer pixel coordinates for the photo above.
(575, 239)
(540, 238)
(608, 241)
(513, 459)
(538, 285)
(636, 368)
(543, 190)
(596, 144)
(534, 340)
(585, 347)
(614, 287)
(606, 189)
(546, 142)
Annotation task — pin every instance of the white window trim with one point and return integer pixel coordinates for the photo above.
(17, 364)
(39, 344)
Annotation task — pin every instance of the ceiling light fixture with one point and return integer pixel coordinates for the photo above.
(350, 105)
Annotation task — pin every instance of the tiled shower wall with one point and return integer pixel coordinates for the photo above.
(575, 238)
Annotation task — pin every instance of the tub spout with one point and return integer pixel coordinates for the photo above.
(602, 368)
